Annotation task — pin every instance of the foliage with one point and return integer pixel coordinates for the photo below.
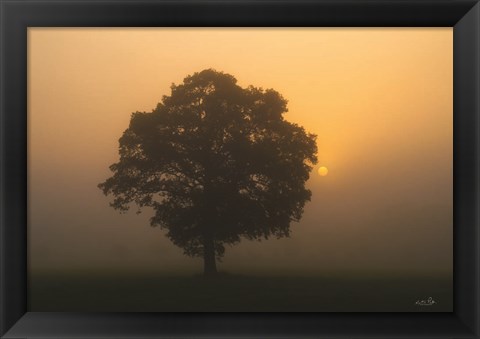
(215, 160)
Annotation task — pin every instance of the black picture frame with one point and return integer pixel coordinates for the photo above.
(18, 15)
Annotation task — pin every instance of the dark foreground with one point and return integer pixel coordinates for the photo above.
(228, 293)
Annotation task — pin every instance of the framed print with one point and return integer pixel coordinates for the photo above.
(239, 169)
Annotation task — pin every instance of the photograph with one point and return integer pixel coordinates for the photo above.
(234, 169)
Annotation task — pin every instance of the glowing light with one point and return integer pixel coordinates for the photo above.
(323, 171)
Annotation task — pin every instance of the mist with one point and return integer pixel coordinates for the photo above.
(379, 100)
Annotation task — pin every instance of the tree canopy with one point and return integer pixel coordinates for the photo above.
(217, 163)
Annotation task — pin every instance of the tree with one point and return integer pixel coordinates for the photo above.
(217, 163)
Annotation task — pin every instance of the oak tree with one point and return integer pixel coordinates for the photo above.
(217, 163)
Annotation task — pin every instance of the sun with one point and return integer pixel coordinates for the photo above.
(323, 171)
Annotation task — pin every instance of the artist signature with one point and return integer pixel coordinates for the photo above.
(426, 302)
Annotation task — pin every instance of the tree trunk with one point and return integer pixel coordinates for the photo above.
(210, 264)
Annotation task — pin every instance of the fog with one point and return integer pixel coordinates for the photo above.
(380, 101)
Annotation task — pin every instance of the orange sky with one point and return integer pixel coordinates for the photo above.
(379, 99)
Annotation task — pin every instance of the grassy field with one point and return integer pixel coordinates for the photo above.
(230, 293)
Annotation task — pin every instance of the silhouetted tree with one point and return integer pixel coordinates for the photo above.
(217, 163)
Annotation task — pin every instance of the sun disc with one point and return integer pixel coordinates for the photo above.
(323, 171)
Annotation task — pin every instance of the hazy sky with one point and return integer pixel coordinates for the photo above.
(379, 99)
